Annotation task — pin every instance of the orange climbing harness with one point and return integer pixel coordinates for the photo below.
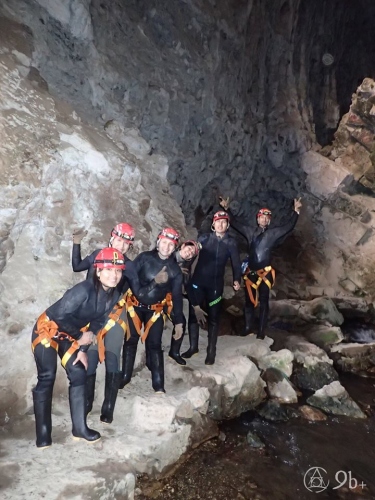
(163, 308)
(48, 334)
(113, 317)
(253, 279)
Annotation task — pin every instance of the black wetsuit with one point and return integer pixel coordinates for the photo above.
(148, 264)
(114, 339)
(207, 285)
(207, 281)
(261, 242)
(82, 304)
(186, 268)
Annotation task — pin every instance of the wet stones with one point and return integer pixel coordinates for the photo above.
(279, 386)
(275, 412)
(254, 441)
(334, 400)
(314, 377)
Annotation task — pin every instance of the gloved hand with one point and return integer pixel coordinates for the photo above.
(201, 315)
(224, 202)
(78, 235)
(162, 276)
(178, 331)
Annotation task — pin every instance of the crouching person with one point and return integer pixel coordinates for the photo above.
(66, 329)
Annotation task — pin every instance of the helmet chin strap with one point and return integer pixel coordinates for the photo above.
(110, 241)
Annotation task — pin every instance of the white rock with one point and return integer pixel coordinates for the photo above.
(282, 360)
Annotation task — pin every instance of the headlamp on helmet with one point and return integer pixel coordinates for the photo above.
(109, 258)
(170, 234)
(264, 211)
(124, 231)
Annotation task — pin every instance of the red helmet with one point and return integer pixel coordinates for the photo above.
(264, 211)
(195, 244)
(220, 215)
(170, 234)
(125, 231)
(109, 258)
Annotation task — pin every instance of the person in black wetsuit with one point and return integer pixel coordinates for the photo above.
(186, 257)
(122, 238)
(60, 330)
(207, 283)
(159, 277)
(259, 275)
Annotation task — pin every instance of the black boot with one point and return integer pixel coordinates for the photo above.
(174, 351)
(112, 380)
(43, 418)
(90, 392)
(212, 340)
(263, 317)
(148, 363)
(77, 401)
(194, 340)
(249, 316)
(157, 370)
(128, 359)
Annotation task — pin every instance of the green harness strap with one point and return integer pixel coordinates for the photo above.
(210, 304)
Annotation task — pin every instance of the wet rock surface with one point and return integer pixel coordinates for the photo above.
(334, 399)
(312, 378)
(232, 469)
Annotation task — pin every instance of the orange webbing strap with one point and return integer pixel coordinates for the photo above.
(158, 309)
(252, 286)
(113, 318)
(46, 330)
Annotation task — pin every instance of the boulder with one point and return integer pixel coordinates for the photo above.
(334, 400)
(282, 360)
(279, 387)
(306, 353)
(314, 377)
(275, 412)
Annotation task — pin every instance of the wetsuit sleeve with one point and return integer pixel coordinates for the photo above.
(77, 263)
(277, 233)
(235, 261)
(244, 230)
(178, 317)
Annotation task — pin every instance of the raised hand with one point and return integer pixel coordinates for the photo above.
(78, 235)
(224, 202)
(162, 276)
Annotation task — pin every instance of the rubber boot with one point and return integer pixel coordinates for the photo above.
(157, 370)
(90, 392)
(129, 353)
(174, 351)
(249, 317)
(112, 380)
(263, 317)
(212, 340)
(148, 363)
(43, 417)
(194, 340)
(77, 401)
